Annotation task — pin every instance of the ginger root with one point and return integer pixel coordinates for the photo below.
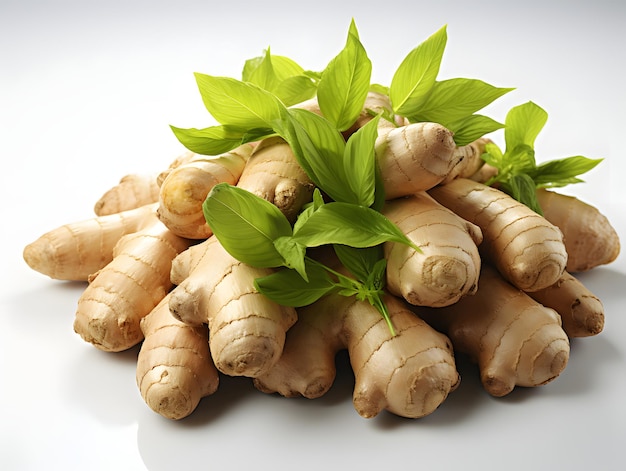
(526, 248)
(448, 265)
(174, 366)
(515, 340)
(409, 374)
(246, 329)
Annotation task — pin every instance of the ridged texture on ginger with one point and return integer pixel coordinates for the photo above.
(174, 366)
(273, 173)
(128, 288)
(77, 250)
(581, 311)
(514, 340)
(186, 186)
(527, 249)
(468, 158)
(246, 329)
(589, 238)
(409, 374)
(133, 191)
(414, 157)
(448, 264)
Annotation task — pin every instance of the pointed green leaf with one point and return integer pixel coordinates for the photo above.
(523, 124)
(360, 262)
(359, 163)
(288, 288)
(416, 75)
(561, 172)
(213, 140)
(457, 98)
(246, 225)
(235, 103)
(469, 129)
(523, 189)
(345, 82)
(348, 224)
(293, 254)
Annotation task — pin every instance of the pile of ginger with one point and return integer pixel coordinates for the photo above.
(492, 280)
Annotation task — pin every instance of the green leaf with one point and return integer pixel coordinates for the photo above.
(523, 124)
(359, 261)
(263, 74)
(288, 288)
(293, 254)
(296, 89)
(345, 82)
(241, 104)
(348, 224)
(455, 99)
(359, 163)
(493, 155)
(416, 75)
(523, 189)
(561, 172)
(473, 127)
(319, 148)
(213, 140)
(246, 225)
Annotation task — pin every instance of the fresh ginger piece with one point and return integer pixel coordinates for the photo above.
(128, 288)
(448, 266)
(77, 250)
(414, 157)
(526, 248)
(174, 366)
(581, 311)
(469, 160)
(133, 191)
(186, 186)
(589, 238)
(273, 173)
(246, 329)
(514, 340)
(409, 374)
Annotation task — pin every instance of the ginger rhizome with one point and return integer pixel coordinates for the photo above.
(395, 181)
(409, 374)
(246, 329)
(174, 366)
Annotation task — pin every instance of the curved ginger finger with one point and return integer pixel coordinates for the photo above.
(128, 288)
(246, 329)
(590, 240)
(273, 173)
(526, 248)
(581, 311)
(77, 250)
(133, 191)
(469, 160)
(409, 374)
(414, 157)
(186, 186)
(448, 266)
(515, 340)
(174, 366)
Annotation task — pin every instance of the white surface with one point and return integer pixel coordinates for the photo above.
(87, 91)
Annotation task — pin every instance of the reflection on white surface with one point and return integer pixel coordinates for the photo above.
(88, 91)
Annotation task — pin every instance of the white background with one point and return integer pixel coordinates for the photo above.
(87, 92)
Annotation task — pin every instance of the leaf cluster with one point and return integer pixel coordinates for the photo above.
(519, 174)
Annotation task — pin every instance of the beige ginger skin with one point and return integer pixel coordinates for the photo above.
(447, 266)
(128, 288)
(77, 250)
(526, 248)
(514, 340)
(581, 311)
(246, 329)
(409, 374)
(185, 187)
(589, 238)
(174, 366)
